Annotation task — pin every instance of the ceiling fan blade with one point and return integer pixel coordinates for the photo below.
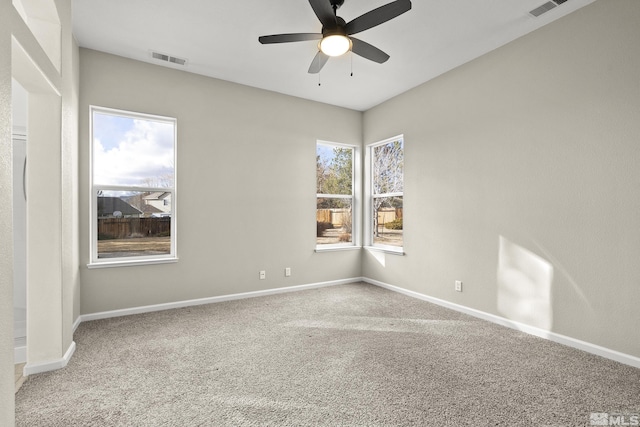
(324, 12)
(286, 38)
(318, 62)
(378, 16)
(368, 51)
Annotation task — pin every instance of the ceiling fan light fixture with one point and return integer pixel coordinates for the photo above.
(335, 38)
(335, 45)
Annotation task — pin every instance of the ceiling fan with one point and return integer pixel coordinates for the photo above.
(335, 39)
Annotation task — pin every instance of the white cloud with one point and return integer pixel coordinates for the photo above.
(143, 152)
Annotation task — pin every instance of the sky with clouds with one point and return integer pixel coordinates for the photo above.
(131, 151)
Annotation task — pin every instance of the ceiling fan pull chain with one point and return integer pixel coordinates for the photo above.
(351, 55)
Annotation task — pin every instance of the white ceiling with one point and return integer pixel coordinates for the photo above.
(220, 39)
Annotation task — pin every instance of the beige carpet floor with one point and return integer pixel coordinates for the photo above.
(351, 355)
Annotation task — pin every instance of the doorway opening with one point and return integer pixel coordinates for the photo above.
(19, 97)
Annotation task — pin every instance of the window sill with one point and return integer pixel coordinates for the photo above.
(338, 248)
(386, 249)
(130, 263)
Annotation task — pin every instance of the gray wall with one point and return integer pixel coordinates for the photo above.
(522, 179)
(246, 185)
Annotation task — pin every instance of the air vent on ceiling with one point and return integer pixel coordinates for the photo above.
(546, 7)
(543, 9)
(168, 58)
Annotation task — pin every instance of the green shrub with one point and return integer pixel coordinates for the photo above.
(396, 224)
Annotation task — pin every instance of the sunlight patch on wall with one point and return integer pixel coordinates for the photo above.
(379, 256)
(524, 285)
(561, 271)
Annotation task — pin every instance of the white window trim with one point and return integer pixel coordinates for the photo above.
(95, 262)
(356, 203)
(367, 222)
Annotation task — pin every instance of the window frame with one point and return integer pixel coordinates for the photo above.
(356, 199)
(172, 256)
(369, 242)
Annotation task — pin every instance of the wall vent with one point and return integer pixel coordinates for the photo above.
(543, 9)
(168, 58)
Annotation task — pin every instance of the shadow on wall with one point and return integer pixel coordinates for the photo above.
(524, 286)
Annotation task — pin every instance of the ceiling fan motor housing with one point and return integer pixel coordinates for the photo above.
(338, 30)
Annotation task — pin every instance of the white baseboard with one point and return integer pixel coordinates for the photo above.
(76, 324)
(627, 359)
(210, 300)
(552, 336)
(52, 365)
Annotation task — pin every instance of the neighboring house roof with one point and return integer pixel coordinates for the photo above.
(108, 205)
(159, 195)
(150, 209)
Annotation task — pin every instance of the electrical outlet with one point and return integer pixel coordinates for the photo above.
(458, 286)
(263, 274)
(287, 272)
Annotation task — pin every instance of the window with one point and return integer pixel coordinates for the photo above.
(336, 193)
(133, 198)
(386, 191)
